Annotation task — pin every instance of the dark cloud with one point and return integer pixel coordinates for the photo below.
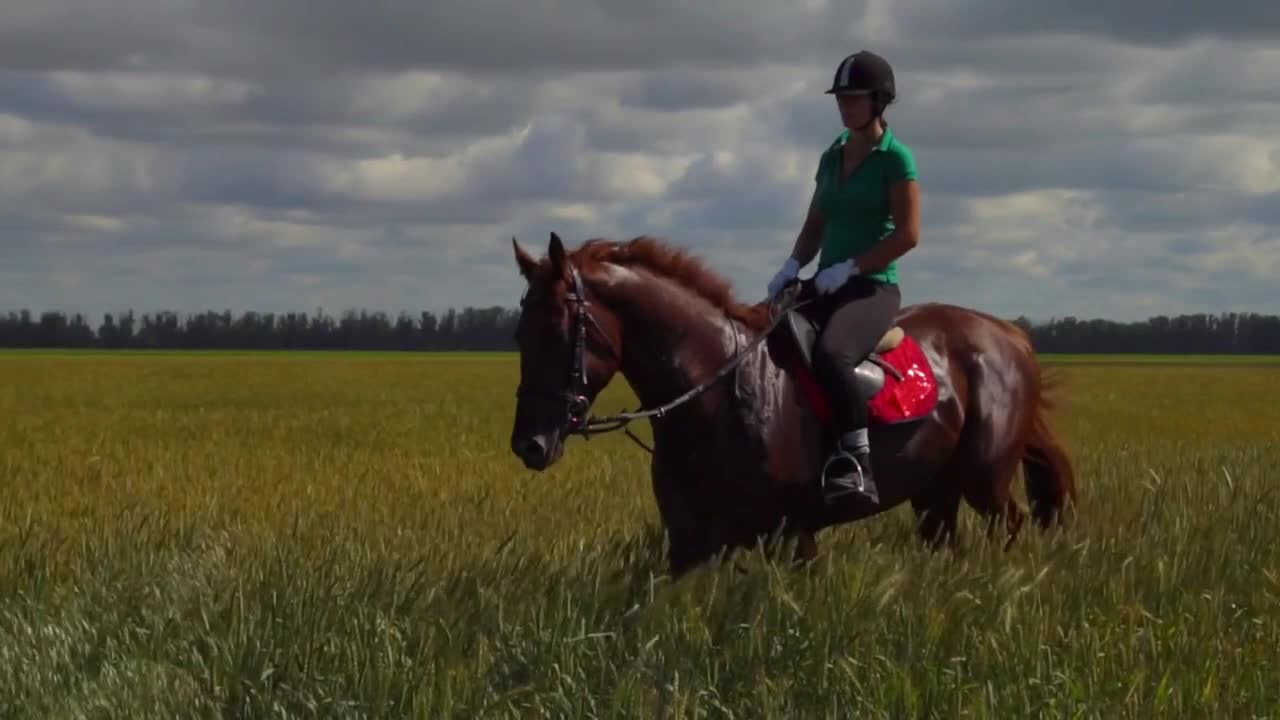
(1146, 23)
(1081, 166)
(353, 114)
(682, 89)
(254, 178)
(1207, 74)
(1183, 211)
(480, 35)
(86, 34)
(734, 194)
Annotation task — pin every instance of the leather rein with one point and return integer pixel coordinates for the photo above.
(574, 395)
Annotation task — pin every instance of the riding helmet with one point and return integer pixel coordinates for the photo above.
(863, 73)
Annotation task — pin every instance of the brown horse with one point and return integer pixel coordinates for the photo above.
(738, 443)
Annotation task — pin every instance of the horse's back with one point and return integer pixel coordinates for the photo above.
(989, 365)
(985, 366)
(964, 331)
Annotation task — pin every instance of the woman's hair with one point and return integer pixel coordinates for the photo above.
(884, 105)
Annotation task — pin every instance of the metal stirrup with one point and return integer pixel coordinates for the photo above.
(860, 487)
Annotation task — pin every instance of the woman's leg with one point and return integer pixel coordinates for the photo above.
(860, 314)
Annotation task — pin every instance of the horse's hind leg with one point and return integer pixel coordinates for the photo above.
(1014, 518)
(991, 447)
(1050, 480)
(988, 491)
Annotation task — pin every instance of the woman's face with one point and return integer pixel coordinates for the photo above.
(855, 110)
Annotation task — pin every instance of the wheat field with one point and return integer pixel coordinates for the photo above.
(348, 536)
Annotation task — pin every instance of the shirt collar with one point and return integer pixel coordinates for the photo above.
(885, 139)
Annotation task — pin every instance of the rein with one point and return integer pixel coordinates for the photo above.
(577, 382)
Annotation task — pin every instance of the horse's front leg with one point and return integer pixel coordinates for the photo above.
(680, 555)
(689, 536)
(801, 539)
(688, 549)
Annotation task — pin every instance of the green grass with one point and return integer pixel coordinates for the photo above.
(1147, 359)
(291, 354)
(333, 535)
(1047, 358)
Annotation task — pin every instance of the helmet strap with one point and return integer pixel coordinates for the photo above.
(878, 114)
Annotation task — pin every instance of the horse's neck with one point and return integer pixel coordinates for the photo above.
(673, 340)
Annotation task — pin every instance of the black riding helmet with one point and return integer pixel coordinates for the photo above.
(865, 73)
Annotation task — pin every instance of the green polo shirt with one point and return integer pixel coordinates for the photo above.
(855, 210)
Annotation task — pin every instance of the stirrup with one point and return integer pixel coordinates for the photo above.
(836, 489)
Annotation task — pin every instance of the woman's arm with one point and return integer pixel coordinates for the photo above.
(810, 238)
(904, 205)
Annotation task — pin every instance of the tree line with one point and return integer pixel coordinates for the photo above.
(493, 328)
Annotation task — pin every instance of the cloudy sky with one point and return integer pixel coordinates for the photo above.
(1103, 161)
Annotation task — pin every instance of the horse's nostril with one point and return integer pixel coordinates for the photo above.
(531, 448)
(537, 446)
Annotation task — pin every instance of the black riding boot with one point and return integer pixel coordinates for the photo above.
(848, 469)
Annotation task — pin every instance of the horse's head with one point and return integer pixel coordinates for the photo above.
(567, 354)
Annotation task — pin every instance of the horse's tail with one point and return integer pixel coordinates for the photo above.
(1050, 478)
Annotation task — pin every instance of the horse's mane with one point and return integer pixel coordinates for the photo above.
(679, 265)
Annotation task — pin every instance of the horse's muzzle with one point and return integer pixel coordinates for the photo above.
(537, 451)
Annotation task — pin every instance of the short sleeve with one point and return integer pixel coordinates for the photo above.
(902, 164)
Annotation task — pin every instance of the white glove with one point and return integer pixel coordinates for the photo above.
(789, 270)
(832, 277)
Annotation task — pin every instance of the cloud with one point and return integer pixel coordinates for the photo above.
(674, 90)
(557, 36)
(1101, 161)
(1141, 23)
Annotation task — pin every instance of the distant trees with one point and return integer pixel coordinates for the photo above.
(1229, 333)
(469, 329)
(493, 328)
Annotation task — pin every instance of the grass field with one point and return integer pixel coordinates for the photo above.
(334, 535)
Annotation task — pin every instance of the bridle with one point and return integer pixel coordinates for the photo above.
(575, 393)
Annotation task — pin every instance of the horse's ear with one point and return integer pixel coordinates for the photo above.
(524, 260)
(556, 252)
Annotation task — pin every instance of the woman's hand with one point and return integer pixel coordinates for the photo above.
(789, 270)
(833, 277)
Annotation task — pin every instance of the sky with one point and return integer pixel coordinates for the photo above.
(1097, 160)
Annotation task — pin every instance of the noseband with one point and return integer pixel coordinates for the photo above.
(575, 393)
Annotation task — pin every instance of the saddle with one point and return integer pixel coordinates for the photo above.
(896, 380)
(793, 339)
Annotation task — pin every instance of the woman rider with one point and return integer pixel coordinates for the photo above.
(863, 216)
